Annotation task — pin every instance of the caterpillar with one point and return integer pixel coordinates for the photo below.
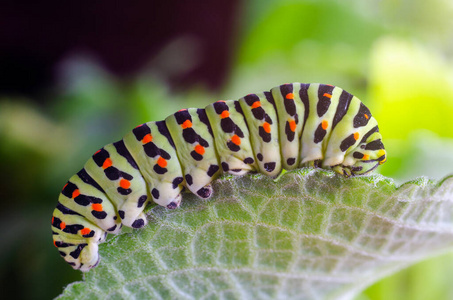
(291, 126)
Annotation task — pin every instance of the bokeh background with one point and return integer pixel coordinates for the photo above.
(76, 76)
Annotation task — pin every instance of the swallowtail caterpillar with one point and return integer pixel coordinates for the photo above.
(290, 126)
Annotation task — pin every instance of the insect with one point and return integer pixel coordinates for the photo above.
(290, 126)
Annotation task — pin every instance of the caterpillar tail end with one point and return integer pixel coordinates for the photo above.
(89, 258)
(82, 257)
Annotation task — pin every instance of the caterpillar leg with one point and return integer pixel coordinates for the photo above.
(314, 163)
(140, 221)
(164, 194)
(342, 170)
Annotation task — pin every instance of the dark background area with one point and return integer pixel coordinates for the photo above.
(36, 37)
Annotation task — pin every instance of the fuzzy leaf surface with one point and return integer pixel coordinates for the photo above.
(310, 234)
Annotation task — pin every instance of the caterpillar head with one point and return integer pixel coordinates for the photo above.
(368, 155)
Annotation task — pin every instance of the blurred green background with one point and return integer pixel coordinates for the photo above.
(395, 55)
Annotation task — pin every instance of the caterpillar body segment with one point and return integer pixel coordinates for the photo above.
(232, 137)
(292, 107)
(290, 126)
(153, 149)
(118, 175)
(83, 199)
(192, 134)
(261, 117)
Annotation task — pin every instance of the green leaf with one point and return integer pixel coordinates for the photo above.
(310, 234)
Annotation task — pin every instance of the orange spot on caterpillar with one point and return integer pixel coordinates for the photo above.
(292, 125)
(85, 231)
(356, 136)
(75, 193)
(199, 149)
(222, 101)
(125, 184)
(184, 109)
(225, 114)
(256, 104)
(324, 124)
(366, 116)
(186, 124)
(267, 127)
(161, 162)
(65, 186)
(327, 95)
(236, 139)
(107, 163)
(97, 152)
(289, 96)
(366, 157)
(53, 218)
(96, 206)
(139, 126)
(147, 138)
(55, 243)
(62, 225)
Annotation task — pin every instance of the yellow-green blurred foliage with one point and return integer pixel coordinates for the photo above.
(395, 55)
(411, 88)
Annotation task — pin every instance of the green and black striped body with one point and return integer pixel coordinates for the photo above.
(291, 126)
